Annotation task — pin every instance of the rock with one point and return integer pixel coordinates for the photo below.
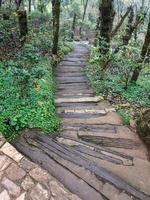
(22, 196)
(39, 193)
(12, 188)
(14, 172)
(27, 165)
(9, 150)
(4, 162)
(57, 190)
(4, 195)
(40, 175)
(27, 183)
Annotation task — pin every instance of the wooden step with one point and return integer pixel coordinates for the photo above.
(78, 100)
(55, 157)
(76, 104)
(110, 118)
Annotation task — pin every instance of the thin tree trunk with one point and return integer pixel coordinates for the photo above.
(144, 52)
(23, 27)
(10, 2)
(143, 3)
(29, 6)
(83, 17)
(97, 35)
(133, 27)
(0, 3)
(85, 8)
(18, 4)
(120, 22)
(74, 25)
(129, 29)
(107, 18)
(56, 19)
(136, 30)
(34, 5)
(118, 9)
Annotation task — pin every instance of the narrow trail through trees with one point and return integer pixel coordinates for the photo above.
(93, 155)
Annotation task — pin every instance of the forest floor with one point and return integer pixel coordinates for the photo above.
(94, 156)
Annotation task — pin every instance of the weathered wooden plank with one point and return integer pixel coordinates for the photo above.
(69, 69)
(78, 104)
(74, 60)
(72, 96)
(100, 149)
(110, 142)
(70, 64)
(74, 92)
(76, 100)
(93, 127)
(71, 181)
(64, 80)
(81, 116)
(110, 118)
(96, 152)
(79, 78)
(73, 156)
(70, 92)
(74, 85)
(84, 111)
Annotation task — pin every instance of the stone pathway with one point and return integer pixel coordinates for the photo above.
(94, 156)
(21, 179)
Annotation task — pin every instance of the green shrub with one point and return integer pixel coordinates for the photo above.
(125, 115)
(26, 104)
(114, 79)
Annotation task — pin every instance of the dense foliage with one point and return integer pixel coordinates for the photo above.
(26, 81)
(113, 80)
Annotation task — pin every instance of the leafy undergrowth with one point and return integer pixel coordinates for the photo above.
(114, 84)
(26, 84)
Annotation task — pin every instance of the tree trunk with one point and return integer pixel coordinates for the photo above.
(85, 8)
(23, 28)
(0, 3)
(29, 6)
(83, 17)
(132, 27)
(120, 22)
(97, 30)
(107, 18)
(18, 4)
(56, 19)
(34, 5)
(146, 42)
(143, 3)
(74, 25)
(129, 29)
(144, 52)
